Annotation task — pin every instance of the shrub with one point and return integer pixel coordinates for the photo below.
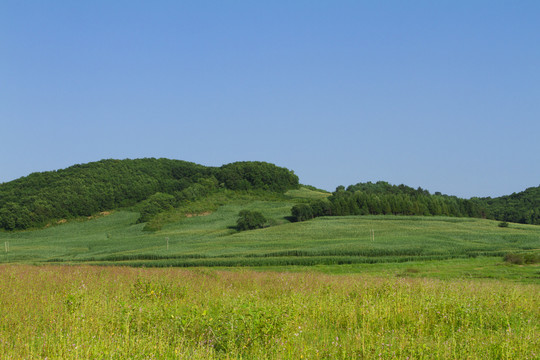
(250, 220)
(302, 212)
(520, 259)
(531, 258)
(516, 259)
(155, 204)
(503, 224)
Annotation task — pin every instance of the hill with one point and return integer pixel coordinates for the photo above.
(101, 213)
(522, 207)
(382, 198)
(155, 186)
(87, 189)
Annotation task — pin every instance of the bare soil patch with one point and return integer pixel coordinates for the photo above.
(198, 214)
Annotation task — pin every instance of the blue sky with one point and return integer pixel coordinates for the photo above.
(439, 94)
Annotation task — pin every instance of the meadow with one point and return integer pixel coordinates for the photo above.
(83, 312)
(352, 287)
(470, 247)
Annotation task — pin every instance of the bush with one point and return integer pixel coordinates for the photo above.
(503, 224)
(516, 259)
(531, 258)
(250, 220)
(520, 259)
(155, 204)
(302, 212)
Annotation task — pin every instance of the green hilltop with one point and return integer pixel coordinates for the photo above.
(87, 189)
(155, 186)
(161, 212)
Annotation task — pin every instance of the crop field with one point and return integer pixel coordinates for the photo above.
(212, 240)
(84, 312)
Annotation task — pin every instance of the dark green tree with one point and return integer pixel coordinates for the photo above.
(249, 220)
(155, 204)
(302, 212)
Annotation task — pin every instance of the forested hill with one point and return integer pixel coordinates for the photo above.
(522, 207)
(156, 185)
(83, 190)
(382, 198)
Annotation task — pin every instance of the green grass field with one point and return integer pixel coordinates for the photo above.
(393, 242)
(359, 287)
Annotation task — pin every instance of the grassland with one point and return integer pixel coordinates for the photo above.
(359, 287)
(185, 239)
(82, 312)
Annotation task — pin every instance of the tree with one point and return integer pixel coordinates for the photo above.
(249, 175)
(249, 220)
(302, 212)
(13, 216)
(321, 208)
(155, 204)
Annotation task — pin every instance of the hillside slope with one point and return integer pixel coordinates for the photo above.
(382, 198)
(212, 240)
(83, 190)
(156, 186)
(522, 207)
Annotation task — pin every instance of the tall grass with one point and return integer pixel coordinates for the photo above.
(81, 312)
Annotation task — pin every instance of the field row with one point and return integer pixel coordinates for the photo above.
(211, 240)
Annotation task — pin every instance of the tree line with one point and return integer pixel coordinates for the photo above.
(522, 207)
(154, 184)
(382, 198)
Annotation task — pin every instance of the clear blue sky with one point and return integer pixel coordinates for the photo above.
(439, 94)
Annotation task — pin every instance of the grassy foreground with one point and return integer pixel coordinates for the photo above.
(83, 312)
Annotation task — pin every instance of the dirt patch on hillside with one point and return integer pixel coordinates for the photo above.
(63, 221)
(103, 213)
(198, 214)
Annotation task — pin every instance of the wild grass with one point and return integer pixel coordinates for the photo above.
(82, 312)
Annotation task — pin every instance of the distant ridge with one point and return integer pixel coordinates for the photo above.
(160, 184)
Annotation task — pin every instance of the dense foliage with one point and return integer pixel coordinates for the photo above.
(157, 184)
(250, 220)
(523, 207)
(381, 198)
(155, 204)
(247, 175)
